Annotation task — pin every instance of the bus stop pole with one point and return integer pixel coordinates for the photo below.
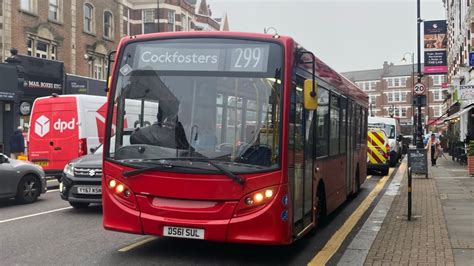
(409, 193)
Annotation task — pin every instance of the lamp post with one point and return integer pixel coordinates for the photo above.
(404, 60)
(419, 143)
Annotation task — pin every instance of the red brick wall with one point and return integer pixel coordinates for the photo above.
(23, 22)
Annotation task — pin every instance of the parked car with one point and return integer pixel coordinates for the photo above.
(81, 178)
(21, 180)
(391, 126)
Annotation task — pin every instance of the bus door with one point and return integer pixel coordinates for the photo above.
(300, 162)
(350, 145)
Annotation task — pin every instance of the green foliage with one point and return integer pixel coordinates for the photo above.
(470, 148)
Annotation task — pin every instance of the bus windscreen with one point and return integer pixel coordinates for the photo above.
(217, 99)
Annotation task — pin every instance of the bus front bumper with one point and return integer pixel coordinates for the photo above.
(269, 225)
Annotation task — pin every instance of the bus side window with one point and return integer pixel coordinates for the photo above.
(335, 126)
(322, 123)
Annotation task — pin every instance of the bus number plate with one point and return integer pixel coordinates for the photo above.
(183, 232)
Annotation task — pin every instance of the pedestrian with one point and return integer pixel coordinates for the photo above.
(431, 146)
(17, 143)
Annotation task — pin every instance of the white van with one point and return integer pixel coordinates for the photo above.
(391, 126)
(65, 127)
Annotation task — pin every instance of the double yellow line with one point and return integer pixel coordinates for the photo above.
(326, 253)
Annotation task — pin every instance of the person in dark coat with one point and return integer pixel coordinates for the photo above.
(17, 143)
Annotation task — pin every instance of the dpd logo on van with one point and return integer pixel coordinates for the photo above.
(63, 125)
(42, 126)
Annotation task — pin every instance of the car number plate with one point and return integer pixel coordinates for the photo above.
(41, 163)
(183, 232)
(89, 190)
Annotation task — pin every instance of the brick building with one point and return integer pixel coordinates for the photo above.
(390, 92)
(82, 32)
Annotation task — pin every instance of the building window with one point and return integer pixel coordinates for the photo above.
(403, 112)
(149, 21)
(53, 10)
(99, 67)
(396, 82)
(437, 95)
(390, 82)
(29, 44)
(403, 82)
(403, 96)
(88, 18)
(28, 5)
(390, 97)
(42, 49)
(171, 15)
(438, 110)
(372, 99)
(108, 25)
(438, 80)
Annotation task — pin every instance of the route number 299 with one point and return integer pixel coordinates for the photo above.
(248, 57)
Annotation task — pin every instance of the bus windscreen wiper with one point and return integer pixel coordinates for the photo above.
(240, 180)
(157, 166)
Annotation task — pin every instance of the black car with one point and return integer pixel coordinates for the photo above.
(81, 181)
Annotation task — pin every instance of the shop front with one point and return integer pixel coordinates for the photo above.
(8, 101)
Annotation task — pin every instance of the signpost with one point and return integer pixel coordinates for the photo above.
(419, 88)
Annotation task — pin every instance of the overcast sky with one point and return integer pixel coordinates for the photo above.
(346, 34)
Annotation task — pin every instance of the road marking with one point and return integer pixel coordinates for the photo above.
(137, 244)
(326, 253)
(33, 215)
(52, 190)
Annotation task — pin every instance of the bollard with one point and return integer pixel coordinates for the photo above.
(409, 193)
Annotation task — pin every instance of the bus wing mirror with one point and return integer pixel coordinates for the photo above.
(310, 95)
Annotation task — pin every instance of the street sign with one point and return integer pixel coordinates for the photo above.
(419, 88)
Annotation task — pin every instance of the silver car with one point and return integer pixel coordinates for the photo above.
(22, 180)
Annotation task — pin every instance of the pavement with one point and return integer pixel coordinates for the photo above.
(441, 231)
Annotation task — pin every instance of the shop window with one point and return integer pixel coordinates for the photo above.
(108, 25)
(88, 18)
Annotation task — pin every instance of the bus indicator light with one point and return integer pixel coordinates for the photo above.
(258, 197)
(112, 183)
(268, 193)
(119, 188)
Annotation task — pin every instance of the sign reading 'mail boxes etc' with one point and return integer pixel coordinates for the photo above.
(435, 44)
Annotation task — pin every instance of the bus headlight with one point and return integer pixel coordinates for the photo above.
(121, 192)
(252, 201)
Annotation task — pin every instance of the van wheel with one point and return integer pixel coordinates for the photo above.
(28, 189)
(385, 171)
(79, 205)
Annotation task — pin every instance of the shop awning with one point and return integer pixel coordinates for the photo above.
(459, 113)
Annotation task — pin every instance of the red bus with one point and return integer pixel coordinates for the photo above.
(237, 150)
